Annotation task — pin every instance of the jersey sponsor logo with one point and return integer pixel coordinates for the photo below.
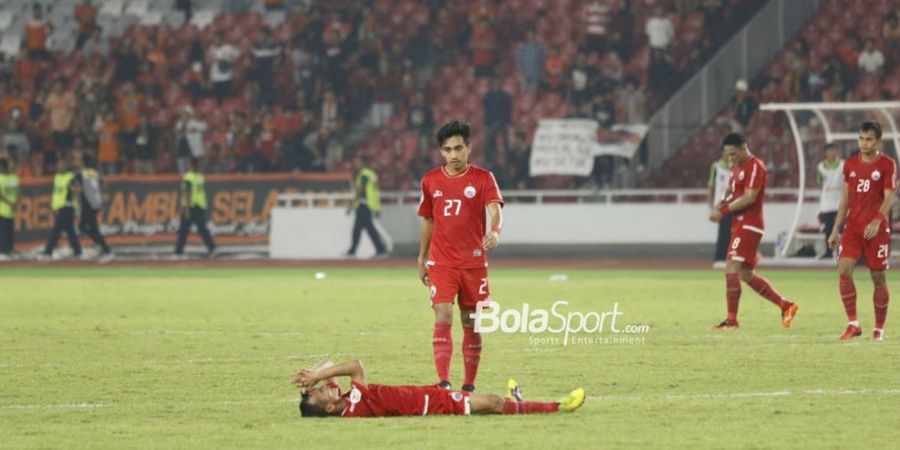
(741, 176)
(355, 397)
(456, 396)
(437, 194)
(476, 252)
(876, 175)
(852, 173)
(469, 191)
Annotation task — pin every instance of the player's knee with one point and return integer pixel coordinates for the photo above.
(466, 319)
(878, 278)
(746, 275)
(443, 313)
(845, 270)
(496, 403)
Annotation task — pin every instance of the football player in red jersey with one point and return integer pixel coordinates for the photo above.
(377, 400)
(744, 200)
(454, 243)
(870, 181)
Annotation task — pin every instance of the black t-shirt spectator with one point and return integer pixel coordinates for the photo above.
(497, 108)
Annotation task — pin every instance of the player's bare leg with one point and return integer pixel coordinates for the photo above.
(766, 291)
(732, 294)
(848, 297)
(495, 404)
(880, 298)
(471, 348)
(442, 342)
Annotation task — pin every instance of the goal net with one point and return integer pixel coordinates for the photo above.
(811, 126)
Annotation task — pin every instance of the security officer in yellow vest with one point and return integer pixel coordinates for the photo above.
(64, 203)
(193, 207)
(9, 197)
(367, 203)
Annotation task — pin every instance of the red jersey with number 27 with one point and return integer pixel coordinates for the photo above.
(457, 205)
(749, 175)
(866, 183)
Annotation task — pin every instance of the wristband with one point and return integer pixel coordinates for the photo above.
(725, 209)
(495, 229)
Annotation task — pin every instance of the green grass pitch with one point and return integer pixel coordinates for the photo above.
(162, 358)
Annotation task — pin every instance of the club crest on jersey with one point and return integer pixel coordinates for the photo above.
(476, 252)
(876, 175)
(741, 175)
(469, 191)
(437, 193)
(456, 396)
(355, 397)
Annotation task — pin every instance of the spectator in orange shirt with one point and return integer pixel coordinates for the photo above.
(108, 146)
(554, 66)
(86, 16)
(482, 42)
(129, 107)
(16, 109)
(36, 32)
(61, 105)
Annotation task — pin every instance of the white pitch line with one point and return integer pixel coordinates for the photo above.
(707, 396)
(738, 395)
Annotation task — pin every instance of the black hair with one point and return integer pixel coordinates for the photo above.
(87, 160)
(871, 125)
(829, 146)
(734, 140)
(454, 128)
(309, 410)
(4, 164)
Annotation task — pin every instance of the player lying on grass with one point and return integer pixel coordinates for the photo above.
(378, 400)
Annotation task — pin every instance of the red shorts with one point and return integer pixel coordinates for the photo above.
(447, 283)
(876, 250)
(745, 244)
(441, 402)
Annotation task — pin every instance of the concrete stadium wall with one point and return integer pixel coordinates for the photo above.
(324, 233)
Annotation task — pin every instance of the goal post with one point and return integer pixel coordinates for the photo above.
(886, 113)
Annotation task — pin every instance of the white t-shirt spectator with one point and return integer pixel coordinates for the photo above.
(659, 31)
(193, 132)
(597, 18)
(871, 62)
(223, 58)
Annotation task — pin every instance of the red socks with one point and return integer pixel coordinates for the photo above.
(880, 299)
(848, 296)
(471, 354)
(442, 344)
(766, 291)
(514, 407)
(732, 294)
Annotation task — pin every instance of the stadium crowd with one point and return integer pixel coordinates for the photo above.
(331, 79)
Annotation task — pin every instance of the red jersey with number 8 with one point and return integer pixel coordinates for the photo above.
(866, 183)
(749, 175)
(457, 205)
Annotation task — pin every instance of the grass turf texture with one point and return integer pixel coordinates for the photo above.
(158, 358)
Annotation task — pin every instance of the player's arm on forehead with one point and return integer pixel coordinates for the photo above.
(353, 369)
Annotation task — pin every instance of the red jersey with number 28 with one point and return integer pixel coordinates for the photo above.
(457, 205)
(866, 182)
(749, 175)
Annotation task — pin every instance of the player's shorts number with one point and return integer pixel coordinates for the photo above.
(481, 289)
(883, 251)
(736, 243)
(863, 185)
(448, 207)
